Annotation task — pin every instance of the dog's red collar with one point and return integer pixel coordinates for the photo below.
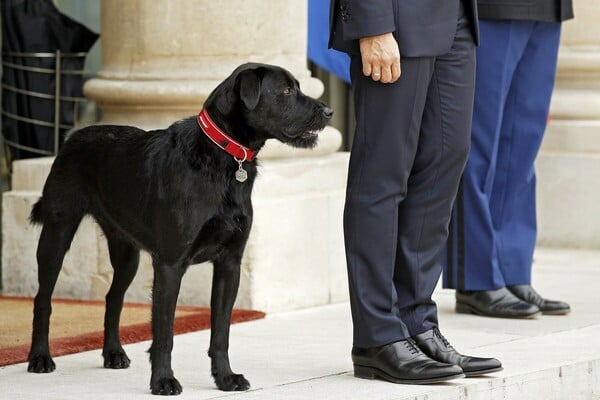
(240, 152)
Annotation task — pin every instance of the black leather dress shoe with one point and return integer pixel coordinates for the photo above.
(500, 303)
(436, 347)
(401, 362)
(549, 307)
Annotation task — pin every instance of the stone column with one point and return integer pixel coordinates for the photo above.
(160, 60)
(569, 162)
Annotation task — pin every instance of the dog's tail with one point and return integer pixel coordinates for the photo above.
(37, 213)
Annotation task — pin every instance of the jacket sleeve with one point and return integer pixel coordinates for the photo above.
(362, 18)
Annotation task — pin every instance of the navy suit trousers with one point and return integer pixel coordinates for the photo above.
(409, 151)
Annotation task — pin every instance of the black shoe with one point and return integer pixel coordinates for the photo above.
(401, 362)
(549, 307)
(500, 303)
(435, 346)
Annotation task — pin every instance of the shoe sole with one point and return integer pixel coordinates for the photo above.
(556, 312)
(471, 374)
(361, 371)
(463, 308)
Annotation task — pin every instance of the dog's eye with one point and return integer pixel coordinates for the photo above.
(287, 91)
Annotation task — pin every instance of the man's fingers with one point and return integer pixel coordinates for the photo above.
(396, 71)
(386, 75)
(376, 74)
(367, 67)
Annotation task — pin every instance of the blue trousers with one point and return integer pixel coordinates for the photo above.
(493, 228)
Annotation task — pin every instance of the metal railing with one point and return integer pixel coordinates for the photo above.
(14, 61)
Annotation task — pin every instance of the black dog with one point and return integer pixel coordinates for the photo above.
(183, 195)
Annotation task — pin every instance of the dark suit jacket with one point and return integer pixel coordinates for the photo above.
(422, 27)
(532, 10)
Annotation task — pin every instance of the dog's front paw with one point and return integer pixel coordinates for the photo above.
(41, 364)
(116, 359)
(166, 387)
(232, 382)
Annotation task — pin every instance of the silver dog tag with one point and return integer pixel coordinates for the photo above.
(241, 175)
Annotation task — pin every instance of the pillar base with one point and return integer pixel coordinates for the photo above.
(294, 257)
(568, 186)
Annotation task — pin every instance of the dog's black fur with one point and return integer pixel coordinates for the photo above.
(171, 192)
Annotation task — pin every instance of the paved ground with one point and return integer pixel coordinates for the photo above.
(306, 354)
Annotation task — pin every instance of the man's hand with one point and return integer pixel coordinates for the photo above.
(380, 57)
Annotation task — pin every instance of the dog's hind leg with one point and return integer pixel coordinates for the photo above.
(54, 242)
(165, 290)
(124, 257)
(226, 279)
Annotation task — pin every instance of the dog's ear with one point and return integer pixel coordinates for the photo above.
(249, 84)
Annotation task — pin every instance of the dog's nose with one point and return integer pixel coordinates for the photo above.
(328, 112)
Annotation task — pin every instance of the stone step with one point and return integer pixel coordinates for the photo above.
(30, 174)
(305, 354)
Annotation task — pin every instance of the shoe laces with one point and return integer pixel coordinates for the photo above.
(437, 333)
(412, 346)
